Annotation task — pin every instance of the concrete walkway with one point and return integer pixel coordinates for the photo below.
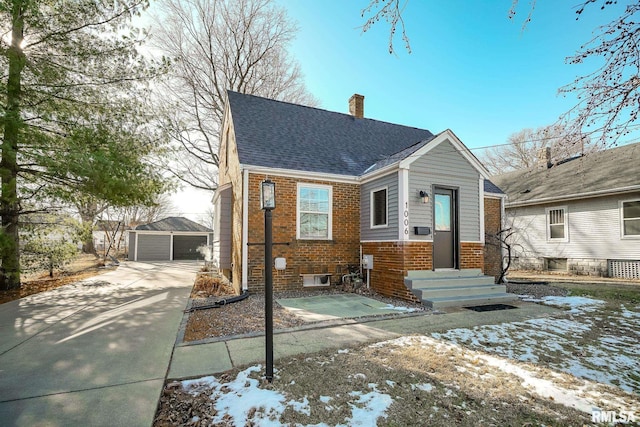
(209, 358)
(92, 354)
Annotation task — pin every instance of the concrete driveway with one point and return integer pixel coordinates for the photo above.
(94, 353)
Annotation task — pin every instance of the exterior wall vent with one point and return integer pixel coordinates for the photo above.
(624, 269)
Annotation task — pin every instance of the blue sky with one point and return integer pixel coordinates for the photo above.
(471, 69)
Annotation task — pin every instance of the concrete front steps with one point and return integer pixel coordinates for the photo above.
(456, 288)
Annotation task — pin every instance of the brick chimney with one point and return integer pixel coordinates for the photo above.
(356, 105)
(544, 158)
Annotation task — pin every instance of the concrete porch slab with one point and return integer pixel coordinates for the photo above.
(339, 306)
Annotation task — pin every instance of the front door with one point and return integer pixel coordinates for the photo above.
(445, 228)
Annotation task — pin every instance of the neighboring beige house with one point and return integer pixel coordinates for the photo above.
(581, 215)
(348, 187)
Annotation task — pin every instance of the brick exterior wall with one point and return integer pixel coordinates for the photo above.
(492, 224)
(303, 256)
(392, 260)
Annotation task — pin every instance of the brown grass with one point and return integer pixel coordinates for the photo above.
(81, 268)
(207, 286)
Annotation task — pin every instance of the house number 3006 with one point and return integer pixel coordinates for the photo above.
(406, 219)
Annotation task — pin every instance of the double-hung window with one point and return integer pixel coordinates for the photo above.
(630, 218)
(314, 212)
(557, 225)
(379, 208)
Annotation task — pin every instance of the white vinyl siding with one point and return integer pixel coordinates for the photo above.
(593, 227)
(557, 229)
(379, 208)
(314, 212)
(630, 218)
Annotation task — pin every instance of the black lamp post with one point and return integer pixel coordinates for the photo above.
(267, 204)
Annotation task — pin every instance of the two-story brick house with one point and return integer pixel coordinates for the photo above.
(346, 186)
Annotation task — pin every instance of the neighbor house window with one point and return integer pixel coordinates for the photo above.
(631, 218)
(314, 211)
(379, 208)
(557, 224)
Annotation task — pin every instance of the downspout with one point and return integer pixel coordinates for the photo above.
(481, 193)
(245, 229)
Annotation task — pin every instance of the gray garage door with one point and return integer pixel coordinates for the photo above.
(153, 247)
(185, 247)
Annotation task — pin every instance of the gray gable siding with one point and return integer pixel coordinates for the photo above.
(593, 225)
(222, 233)
(153, 247)
(386, 233)
(445, 166)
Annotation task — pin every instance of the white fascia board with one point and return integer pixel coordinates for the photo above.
(495, 195)
(387, 170)
(218, 190)
(290, 173)
(447, 135)
(577, 196)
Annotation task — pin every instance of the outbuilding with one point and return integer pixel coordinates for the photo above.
(169, 239)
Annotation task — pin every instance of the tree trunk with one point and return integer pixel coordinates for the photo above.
(88, 211)
(9, 202)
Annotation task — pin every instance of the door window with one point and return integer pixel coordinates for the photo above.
(443, 212)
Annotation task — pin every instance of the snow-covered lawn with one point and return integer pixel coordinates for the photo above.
(589, 342)
(555, 370)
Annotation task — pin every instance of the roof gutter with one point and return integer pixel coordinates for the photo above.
(576, 196)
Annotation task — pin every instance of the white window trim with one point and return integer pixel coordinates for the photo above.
(566, 224)
(330, 219)
(371, 213)
(622, 235)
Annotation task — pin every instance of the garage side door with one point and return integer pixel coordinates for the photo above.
(186, 247)
(154, 248)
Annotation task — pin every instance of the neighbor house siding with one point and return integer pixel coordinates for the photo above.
(153, 247)
(593, 233)
(391, 231)
(445, 166)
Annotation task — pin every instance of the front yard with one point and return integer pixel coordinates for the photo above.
(549, 371)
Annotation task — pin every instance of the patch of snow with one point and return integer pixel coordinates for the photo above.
(424, 387)
(301, 407)
(391, 383)
(343, 351)
(576, 305)
(325, 399)
(398, 308)
(368, 408)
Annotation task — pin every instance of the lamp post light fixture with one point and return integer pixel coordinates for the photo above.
(267, 195)
(424, 196)
(267, 204)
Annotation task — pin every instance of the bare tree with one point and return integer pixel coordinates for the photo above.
(523, 148)
(215, 45)
(608, 98)
(390, 11)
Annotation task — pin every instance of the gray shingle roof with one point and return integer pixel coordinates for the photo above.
(282, 135)
(490, 187)
(600, 172)
(174, 223)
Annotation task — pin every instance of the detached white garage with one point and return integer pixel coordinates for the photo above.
(170, 239)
